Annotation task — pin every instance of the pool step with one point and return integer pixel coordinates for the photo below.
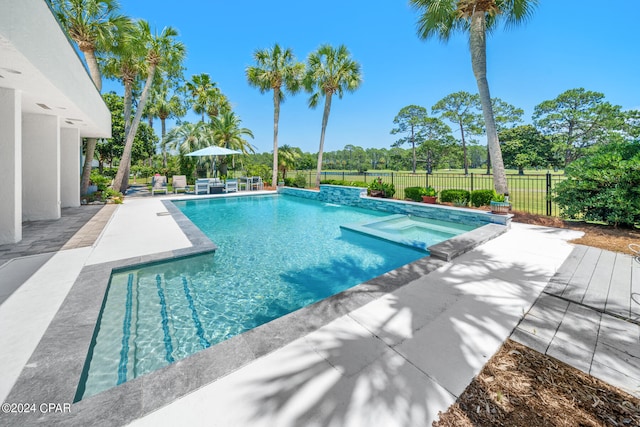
(176, 312)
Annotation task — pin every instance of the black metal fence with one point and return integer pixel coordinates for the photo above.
(528, 193)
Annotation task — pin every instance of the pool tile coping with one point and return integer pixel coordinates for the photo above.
(55, 368)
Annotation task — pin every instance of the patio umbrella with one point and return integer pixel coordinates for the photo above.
(213, 150)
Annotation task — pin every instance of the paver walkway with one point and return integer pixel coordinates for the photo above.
(77, 228)
(40, 237)
(589, 317)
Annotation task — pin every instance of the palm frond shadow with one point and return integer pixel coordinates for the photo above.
(381, 363)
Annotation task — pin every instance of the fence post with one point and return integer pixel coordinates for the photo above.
(343, 175)
(548, 193)
(392, 179)
(426, 179)
(472, 181)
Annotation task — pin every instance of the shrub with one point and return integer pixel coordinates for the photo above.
(102, 182)
(481, 197)
(603, 186)
(345, 183)
(455, 196)
(388, 190)
(300, 181)
(415, 193)
(112, 194)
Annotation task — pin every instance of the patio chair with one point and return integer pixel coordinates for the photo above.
(231, 186)
(243, 183)
(255, 183)
(202, 186)
(180, 183)
(158, 184)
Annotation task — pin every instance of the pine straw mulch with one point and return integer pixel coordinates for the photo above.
(521, 387)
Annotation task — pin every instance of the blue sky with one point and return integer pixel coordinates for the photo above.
(567, 44)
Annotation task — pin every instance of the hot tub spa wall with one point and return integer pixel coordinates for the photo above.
(357, 197)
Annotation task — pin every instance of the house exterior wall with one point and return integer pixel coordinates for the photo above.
(41, 167)
(69, 167)
(10, 166)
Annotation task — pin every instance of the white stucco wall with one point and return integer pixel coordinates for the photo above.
(10, 167)
(69, 167)
(40, 167)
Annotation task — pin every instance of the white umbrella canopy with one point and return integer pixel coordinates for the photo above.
(213, 150)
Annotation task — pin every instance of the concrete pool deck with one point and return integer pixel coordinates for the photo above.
(397, 358)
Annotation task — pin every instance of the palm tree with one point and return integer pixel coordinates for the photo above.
(287, 159)
(228, 133)
(93, 25)
(126, 62)
(329, 71)
(163, 53)
(442, 18)
(202, 91)
(275, 67)
(163, 105)
(189, 137)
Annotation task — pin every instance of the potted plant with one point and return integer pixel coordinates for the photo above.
(377, 188)
(500, 204)
(430, 196)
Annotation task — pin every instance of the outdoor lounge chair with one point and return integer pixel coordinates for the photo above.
(180, 183)
(202, 186)
(231, 186)
(158, 184)
(255, 183)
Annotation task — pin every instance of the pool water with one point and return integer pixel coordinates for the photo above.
(410, 230)
(276, 254)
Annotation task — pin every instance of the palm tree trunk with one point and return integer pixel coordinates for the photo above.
(276, 119)
(325, 120)
(94, 70)
(128, 104)
(478, 45)
(121, 180)
(163, 142)
(464, 149)
(86, 168)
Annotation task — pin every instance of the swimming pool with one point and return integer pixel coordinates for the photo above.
(275, 255)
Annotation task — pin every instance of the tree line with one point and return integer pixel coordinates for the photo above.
(149, 64)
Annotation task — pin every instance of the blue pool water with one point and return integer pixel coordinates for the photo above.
(275, 254)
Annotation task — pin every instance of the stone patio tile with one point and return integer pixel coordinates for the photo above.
(580, 327)
(571, 353)
(532, 341)
(615, 378)
(618, 359)
(543, 328)
(620, 334)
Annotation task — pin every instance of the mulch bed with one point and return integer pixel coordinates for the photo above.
(520, 387)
